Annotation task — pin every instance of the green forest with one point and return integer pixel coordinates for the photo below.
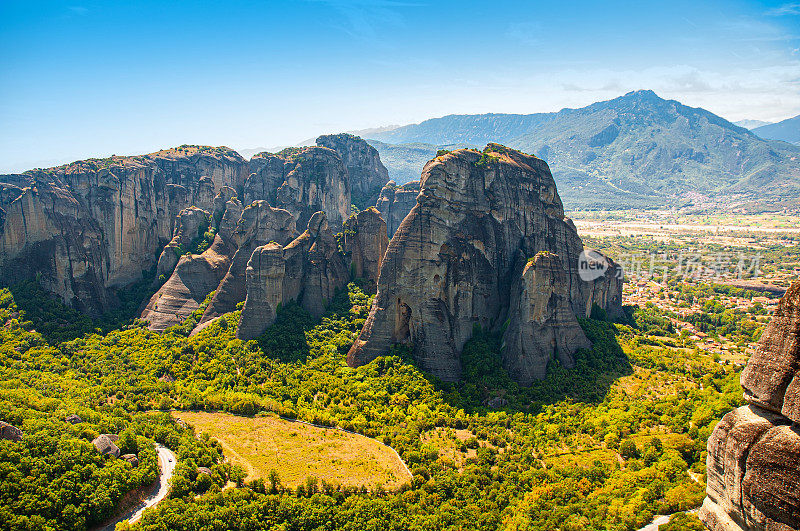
(606, 445)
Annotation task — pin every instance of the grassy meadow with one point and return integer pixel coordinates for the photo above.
(297, 451)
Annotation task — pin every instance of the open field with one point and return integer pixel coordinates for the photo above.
(666, 226)
(297, 451)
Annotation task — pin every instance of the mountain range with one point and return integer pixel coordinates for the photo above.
(751, 124)
(787, 130)
(635, 151)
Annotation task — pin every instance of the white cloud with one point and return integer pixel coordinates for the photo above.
(785, 9)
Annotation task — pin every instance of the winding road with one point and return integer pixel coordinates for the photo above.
(159, 491)
(661, 520)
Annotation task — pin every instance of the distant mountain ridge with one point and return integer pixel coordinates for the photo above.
(635, 151)
(751, 124)
(787, 130)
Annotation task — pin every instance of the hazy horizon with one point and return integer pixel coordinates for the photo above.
(89, 80)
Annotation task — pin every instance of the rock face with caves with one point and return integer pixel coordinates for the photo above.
(454, 263)
(365, 242)
(309, 270)
(90, 227)
(395, 202)
(301, 181)
(367, 172)
(753, 453)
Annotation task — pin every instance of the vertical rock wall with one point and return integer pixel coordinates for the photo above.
(754, 452)
(450, 265)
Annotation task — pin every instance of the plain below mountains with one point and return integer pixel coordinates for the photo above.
(635, 151)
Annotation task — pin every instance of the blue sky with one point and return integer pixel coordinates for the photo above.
(91, 78)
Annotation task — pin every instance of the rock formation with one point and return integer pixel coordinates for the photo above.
(194, 276)
(104, 444)
(451, 264)
(314, 267)
(771, 379)
(220, 204)
(753, 453)
(302, 181)
(309, 270)
(264, 282)
(606, 290)
(299, 182)
(367, 172)
(9, 432)
(191, 223)
(365, 242)
(90, 227)
(395, 202)
(541, 321)
(259, 224)
(268, 172)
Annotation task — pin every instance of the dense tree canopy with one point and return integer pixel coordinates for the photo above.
(603, 446)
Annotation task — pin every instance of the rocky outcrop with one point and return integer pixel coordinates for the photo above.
(268, 172)
(131, 458)
(264, 282)
(365, 241)
(753, 478)
(9, 432)
(202, 171)
(301, 181)
(604, 279)
(771, 379)
(192, 222)
(542, 324)
(395, 202)
(314, 267)
(104, 444)
(367, 173)
(225, 194)
(230, 220)
(309, 270)
(259, 225)
(90, 227)
(451, 264)
(194, 276)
